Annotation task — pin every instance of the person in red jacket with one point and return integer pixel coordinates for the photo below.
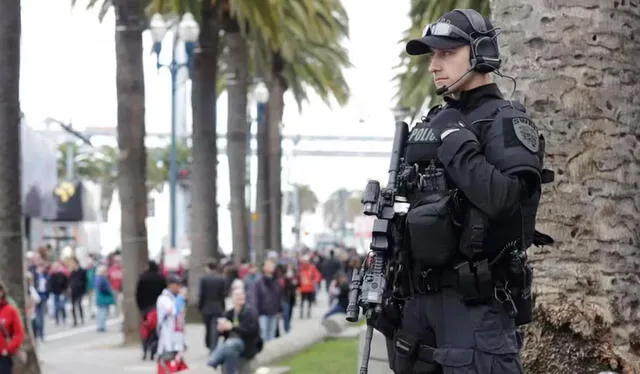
(308, 278)
(11, 332)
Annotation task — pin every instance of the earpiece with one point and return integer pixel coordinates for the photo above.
(485, 55)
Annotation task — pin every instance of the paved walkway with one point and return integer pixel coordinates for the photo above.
(55, 332)
(100, 353)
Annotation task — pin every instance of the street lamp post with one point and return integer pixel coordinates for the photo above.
(261, 94)
(187, 32)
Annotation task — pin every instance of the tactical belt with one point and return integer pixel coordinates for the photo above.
(434, 280)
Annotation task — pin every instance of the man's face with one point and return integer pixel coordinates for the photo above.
(269, 267)
(238, 297)
(447, 66)
(174, 288)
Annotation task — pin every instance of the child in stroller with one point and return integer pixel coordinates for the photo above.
(149, 334)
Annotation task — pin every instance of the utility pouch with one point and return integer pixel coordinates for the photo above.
(475, 282)
(432, 232)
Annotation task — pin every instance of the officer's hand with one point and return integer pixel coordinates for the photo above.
(447, 121)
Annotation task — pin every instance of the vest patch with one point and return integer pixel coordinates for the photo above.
(423, 135)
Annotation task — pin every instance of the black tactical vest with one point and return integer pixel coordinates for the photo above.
(438, 222)
(432, 231)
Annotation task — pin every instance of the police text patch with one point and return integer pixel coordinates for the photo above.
(521, 131)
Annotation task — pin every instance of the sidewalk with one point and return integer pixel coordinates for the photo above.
(96, 353)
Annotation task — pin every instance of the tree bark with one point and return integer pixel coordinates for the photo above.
(579, 77)
(12, 266)
(237, 132)
(132, 162)
(204, 207)
(275, 110)
(262, 189)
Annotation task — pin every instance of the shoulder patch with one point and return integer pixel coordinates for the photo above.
(521, 131)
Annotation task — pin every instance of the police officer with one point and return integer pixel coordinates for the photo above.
(474, 174)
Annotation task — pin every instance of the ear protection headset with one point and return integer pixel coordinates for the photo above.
(485, 56)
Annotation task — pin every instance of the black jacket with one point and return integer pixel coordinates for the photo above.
(213, 290)
(150, 286)
(248, 329)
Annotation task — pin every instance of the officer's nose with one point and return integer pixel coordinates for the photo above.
(434, 65)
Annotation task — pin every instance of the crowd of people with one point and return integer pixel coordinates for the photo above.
(262, 304)
(242, 305)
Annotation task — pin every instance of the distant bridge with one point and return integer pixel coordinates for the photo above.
(111, 132)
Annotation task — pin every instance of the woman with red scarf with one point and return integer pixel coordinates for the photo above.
(11, 332)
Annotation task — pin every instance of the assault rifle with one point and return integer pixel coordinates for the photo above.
(370, 289)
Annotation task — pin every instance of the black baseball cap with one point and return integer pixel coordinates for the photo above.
(450, 31)
(174, 279)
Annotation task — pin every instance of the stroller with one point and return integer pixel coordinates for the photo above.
(149, 334)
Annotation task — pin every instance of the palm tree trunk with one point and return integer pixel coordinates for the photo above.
(262, 189)
(204, 207)
(237, 132)
(580, 79)
(12, 265)
(132, 166)
(275, 109)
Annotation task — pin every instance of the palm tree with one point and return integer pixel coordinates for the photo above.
(579, 79)
(341, 207)
(132, 167)
(237, 132)
(238, 19)
(204, 210)
(307, 200)
(306, 54)
(12, 267)
(412, 87)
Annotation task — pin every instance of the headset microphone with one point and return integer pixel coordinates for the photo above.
(444, 89)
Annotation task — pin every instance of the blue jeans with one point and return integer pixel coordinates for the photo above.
(101, 317)
(335, 310)
(227, 353)
(286, 316)
(268, 326)
(58, 308)
(38, 330)
(6, 365)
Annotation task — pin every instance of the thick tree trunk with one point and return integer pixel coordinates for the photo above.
(262, 189)
(578, 74)
(12, 266)
(237, 132)
(275, 109)
(204, 207)
(132, 169)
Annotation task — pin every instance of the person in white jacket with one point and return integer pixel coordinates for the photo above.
(171, 323)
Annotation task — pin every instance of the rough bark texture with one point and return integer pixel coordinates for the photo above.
(275, 110)
(262, 230)
(132, 169)
(12, 266)
(204, 207)
(578, 74)
(237, 132)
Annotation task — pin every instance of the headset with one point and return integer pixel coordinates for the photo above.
(485, 55)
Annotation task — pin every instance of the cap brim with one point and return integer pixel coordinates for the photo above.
(428, 43)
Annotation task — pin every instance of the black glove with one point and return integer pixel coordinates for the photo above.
(447, 119)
